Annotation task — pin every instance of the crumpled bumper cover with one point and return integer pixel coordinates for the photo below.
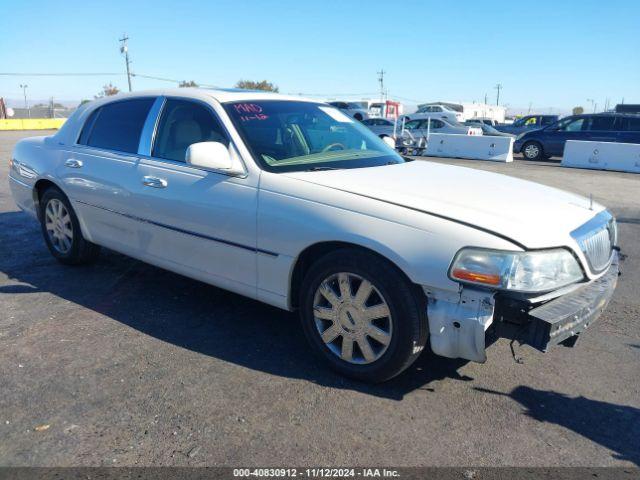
(460, 325)
(561, 319)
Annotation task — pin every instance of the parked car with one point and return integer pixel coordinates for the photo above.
(295, 204)
(529, 122)
(599, 127)
(421, 127)
(485, 121)
(488, 129)
(352, 109)
(436, 111)
(381, 126)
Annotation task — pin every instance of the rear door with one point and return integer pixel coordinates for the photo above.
(600, 128)
(628, 129)
(99, 173)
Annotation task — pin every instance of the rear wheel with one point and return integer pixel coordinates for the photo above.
(362, 316)
(61, 230)
(532, 151)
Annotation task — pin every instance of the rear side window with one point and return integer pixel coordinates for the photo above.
(117, 126)
(631, 124)
(184, 123)
(601, 123)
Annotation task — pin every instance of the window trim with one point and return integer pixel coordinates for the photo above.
(98, 109)
(157, 125)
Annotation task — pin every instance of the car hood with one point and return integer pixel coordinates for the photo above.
(530, 214)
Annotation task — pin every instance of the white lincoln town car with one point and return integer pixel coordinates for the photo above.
(293, 203)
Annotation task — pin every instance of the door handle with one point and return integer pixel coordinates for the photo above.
(154, 182)
(73, 163)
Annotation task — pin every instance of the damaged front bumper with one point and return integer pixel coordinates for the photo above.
(461, 323)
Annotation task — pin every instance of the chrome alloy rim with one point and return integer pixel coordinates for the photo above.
(58, 226)
(352, 318)
(532, 150)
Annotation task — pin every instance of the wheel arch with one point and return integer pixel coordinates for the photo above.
(314, 252)
(39, 188)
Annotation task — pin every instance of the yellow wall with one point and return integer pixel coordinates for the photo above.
(31, 123)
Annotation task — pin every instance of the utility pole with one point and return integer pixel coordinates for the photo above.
(485, 98)
(381, 82)
(529, 111)
(125, 49)
(498, 87)
(24, 92)
(593, 104)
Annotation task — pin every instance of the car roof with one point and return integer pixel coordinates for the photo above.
(222, 95)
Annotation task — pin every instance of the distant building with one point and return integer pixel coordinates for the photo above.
(471, 110)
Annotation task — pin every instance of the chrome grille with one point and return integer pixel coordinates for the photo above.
(597, 239)
(597, 248)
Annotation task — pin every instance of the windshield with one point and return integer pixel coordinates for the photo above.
(286, 136)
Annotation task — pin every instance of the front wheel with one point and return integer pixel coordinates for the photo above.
(61, 230)
(532, 151)
(362, 316)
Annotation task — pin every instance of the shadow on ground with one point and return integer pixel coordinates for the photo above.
(189, 314)
(616, 427)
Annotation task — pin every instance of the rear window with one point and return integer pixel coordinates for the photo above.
(117, 126)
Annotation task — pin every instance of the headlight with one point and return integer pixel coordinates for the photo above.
(536, 271)
(520, 135)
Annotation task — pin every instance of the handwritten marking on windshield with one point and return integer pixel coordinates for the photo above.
(250, 111)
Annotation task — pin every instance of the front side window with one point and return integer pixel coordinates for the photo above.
(572, 125)
(184, 123)
(117, 126)
(412, 125)
(296, 136)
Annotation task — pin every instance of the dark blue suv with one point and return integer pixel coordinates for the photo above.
(597, 127)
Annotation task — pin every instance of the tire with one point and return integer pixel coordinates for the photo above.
(532, 151)
(61, 230)
(399, 317)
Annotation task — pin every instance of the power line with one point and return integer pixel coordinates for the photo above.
(63, 74)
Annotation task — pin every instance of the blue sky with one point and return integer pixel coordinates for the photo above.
(550, 53)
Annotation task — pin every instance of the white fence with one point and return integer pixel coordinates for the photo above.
(623, 157)
(481, 147)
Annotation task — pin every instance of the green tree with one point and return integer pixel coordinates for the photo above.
(578, 110)
(262, 85)
(186, 84)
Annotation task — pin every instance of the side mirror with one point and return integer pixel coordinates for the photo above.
(209, 155)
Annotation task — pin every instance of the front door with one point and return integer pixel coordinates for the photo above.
(194, 221)
(555, 137)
